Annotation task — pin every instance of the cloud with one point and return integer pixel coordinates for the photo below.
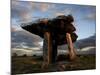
(24, 11)
(13, 29)
(59, 13)
(26, 16)
(42, 7)
(90, 16)
(21, 39)
(65, 12)
(39, 6)
(21, 11)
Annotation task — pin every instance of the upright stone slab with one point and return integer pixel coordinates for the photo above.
(49, 49)
(72, 53)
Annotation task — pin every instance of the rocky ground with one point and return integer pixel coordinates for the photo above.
(34, 64)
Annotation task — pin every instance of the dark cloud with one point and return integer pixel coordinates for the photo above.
(21, 38)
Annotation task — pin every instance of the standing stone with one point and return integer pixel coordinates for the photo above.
(49, 49)
(72, 53)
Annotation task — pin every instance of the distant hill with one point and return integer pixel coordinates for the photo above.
(90, 41)
(79, 44)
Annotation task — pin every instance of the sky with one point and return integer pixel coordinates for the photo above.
(27, 11)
